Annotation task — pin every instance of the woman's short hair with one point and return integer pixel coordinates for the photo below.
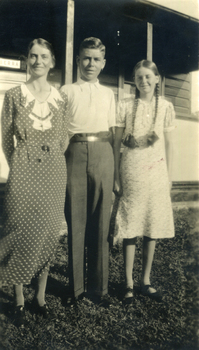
(92, 43)
(44, 43)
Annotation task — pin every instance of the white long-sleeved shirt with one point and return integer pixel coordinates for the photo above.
(91, 107)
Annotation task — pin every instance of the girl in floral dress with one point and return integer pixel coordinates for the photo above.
(144, 124)
(35, 114)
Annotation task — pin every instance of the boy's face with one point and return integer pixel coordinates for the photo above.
(90, 63)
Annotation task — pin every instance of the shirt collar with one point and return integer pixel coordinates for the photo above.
(82, 83)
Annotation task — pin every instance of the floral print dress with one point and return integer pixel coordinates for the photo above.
(34, 140)
(145, 206)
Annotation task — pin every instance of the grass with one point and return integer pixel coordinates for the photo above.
(142, 325)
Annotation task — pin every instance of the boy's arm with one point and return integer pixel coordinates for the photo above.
(111, 117)
(111, 137)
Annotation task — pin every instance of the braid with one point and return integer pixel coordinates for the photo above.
(157, 93)
(137, 95)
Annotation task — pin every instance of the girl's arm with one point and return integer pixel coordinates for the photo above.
(116, 151)
(168, 137)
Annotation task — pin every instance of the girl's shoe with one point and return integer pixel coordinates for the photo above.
(43, 311)
(19, 316)
(40, 310)
(145, 290)
(129, 296)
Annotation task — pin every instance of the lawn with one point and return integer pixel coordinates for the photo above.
(145, 324)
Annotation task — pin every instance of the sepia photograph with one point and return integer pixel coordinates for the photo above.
(99, 174)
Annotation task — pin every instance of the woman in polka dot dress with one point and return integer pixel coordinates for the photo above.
(34, 114)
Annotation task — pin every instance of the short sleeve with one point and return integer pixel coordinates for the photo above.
(169, 121)
(121, 114)
(7, 126)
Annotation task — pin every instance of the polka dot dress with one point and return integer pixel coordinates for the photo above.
(35, 191)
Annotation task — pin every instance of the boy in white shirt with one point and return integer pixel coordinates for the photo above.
(90, 170)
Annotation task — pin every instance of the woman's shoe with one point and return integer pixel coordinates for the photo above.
(145, 290)
(19, 316)
(129, 296)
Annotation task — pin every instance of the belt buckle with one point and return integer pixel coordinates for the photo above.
(92, 138)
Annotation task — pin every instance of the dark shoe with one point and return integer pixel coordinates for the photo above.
(43, 311)
(129, 296)
(19, 316)
(103, 301)
(40, 310)
(72, 300)
(145, 290)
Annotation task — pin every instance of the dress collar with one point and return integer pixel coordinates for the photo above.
(27, 96)
(145, 103)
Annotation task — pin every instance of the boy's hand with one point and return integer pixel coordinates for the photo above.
(117, 189)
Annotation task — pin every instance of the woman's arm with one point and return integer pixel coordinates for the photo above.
(168, 138)
(7, 127)
(116, 151)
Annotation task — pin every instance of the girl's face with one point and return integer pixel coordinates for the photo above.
(145, 80)
(39, 61)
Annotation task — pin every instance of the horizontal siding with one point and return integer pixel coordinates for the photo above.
(178, 91)
(129, 89)
(181, 111)
(180, 102)
(184, 77)
(178, 84)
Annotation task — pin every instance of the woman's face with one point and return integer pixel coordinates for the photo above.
(145, 80)
(39, 61)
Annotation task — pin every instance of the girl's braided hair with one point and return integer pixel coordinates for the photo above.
(152, 66)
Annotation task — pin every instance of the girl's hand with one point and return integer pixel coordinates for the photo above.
(117, 188)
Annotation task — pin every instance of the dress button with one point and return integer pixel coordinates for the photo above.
(39, 160)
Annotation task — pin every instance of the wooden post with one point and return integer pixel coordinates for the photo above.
(121, 83)
(162, 90)
(68, 79)
(149, 41)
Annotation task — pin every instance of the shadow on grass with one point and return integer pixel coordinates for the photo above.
(142, 325)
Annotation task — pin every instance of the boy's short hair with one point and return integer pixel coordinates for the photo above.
(92, 43)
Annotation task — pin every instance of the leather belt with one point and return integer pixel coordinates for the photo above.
(99, 137)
